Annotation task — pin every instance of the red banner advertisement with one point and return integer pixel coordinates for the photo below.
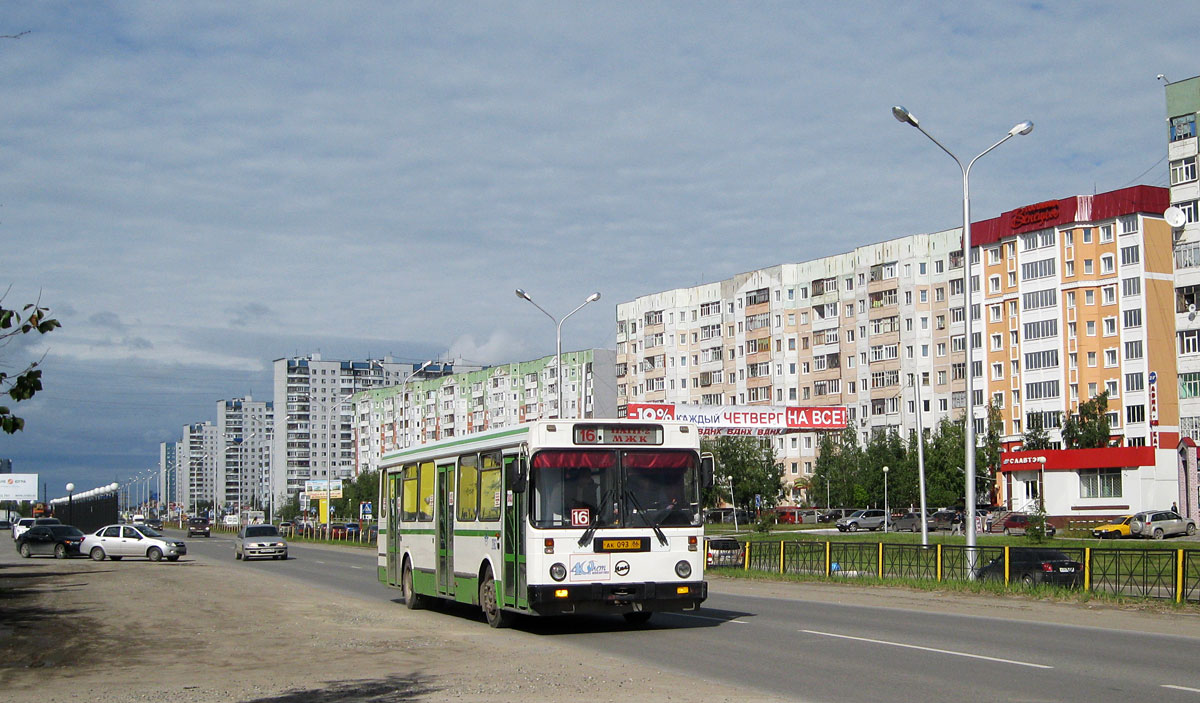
(744, 419)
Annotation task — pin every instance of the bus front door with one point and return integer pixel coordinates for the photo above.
(445, 529)
(391, 539)
(515, 592)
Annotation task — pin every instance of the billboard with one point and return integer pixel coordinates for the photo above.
(755, 420)
(18, 486)
(317, 487)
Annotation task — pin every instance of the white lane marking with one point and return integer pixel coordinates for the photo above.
(1181, 688)
(705, 617)
(356, 567)
(930, 649)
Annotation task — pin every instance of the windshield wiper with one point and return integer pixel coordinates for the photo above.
(662, 539)
(591, 530)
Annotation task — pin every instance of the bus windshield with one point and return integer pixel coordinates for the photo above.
(605, 488)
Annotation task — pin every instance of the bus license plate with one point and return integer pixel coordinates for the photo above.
(623, 544)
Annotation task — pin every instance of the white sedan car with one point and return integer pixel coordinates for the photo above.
(119, 541)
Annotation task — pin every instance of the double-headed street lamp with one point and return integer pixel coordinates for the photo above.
(558, 336)
(902, 114)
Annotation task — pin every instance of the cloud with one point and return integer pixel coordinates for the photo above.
(248, 314)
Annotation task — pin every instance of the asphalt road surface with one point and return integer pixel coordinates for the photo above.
(822, 650)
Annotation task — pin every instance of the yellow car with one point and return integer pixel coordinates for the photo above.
(1116, 529)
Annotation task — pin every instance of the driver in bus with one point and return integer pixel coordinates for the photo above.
(583, 490)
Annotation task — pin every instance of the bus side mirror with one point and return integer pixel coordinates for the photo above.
(517, 475)
(707, 468)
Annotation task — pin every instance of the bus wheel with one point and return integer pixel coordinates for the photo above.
(412, 601)
(496, 617)
(638, 617)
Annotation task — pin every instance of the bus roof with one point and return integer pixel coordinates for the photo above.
(536, 431)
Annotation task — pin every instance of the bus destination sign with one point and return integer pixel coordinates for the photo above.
(644, 435)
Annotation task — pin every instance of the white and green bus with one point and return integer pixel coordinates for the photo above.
(548, 518)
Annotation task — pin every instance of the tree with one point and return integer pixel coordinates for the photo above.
(990, 453)
(835, 473)
(1035, 437)
(24, 384)
(751, 463)
(1088, 428)
(362, 489)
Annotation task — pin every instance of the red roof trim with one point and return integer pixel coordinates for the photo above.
(1079, 208)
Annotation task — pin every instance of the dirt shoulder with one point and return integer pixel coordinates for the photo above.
(203, 630)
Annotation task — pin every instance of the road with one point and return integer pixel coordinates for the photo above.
(779, 640)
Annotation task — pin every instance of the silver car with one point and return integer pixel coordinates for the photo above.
(1160, 523)
(862, 520)
(119, 541)
(259, 542)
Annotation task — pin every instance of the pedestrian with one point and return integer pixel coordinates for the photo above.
(1174, 508)
(956, 523)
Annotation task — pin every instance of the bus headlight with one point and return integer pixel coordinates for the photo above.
(683, 569)
(558, 572)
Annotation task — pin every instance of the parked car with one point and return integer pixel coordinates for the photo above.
(119, 541)
(1032, 565)
(25, 523)
(199, 526)
(353, 530)
(910, 522)
(943, 519)
(1157, 524)
(726, 515)
(59, 541)
(833, 514)
(862, 520)
(789, 515)
(259, 542)
(1018, 524)
(1114, 529)
(723, 551)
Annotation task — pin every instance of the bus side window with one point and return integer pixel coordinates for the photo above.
(491, 492)
(425, 484)
(408, 495)
(468, 488)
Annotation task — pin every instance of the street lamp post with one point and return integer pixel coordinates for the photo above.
(70, 504)
(887, 513)
(921, 460)
(902, 114)
(558, 336)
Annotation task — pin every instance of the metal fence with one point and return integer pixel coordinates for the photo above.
(1171, 574)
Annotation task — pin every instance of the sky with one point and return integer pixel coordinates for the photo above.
(196, 189)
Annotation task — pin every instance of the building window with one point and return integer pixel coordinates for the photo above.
(1135, 413)
(1131, 255)
(1183, 127)
(1133, 350)
(1191, 212)
(1183, 170)
(1100, 483)
(1133, 318)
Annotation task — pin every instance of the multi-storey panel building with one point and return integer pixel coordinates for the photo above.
(313, 435)
(168, 475)
(1064, 308)
(498, 396)
(197, 461)
(1183, 104)
(246, 426)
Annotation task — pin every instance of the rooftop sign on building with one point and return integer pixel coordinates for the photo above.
(753, 420)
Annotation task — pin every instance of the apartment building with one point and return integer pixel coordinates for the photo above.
(1072, 291)
(243, 464)
(1183, 104)
(424, 410)
(196, 460)
(313, 433)
(169, 475)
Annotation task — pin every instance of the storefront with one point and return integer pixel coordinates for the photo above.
(1088, 483)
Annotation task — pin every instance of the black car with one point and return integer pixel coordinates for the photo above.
(198, 526)
(155, 523)
(1034, 565)
(60, 541)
